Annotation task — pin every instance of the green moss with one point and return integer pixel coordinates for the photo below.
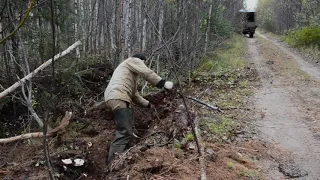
(223, 127)
(177, 146)
(231, 165)
(189, 137)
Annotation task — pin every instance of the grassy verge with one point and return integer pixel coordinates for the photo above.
(228, 79)
(311, 51)
(224, 79)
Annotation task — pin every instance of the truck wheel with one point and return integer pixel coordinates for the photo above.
(251, 35)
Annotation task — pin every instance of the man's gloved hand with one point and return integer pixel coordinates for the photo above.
(168, 85)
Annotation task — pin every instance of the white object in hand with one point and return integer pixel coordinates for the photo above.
(168, 85)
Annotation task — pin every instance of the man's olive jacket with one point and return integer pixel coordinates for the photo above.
(124, 82)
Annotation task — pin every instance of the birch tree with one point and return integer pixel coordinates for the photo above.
(112, 30)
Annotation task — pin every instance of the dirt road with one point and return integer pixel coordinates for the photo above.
(287, 106)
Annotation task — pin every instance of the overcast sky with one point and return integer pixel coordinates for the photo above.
(251, 4)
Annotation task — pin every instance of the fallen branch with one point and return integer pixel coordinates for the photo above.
(202, 159)
(232, 108)
(203, 103)
(41, 67)
(247, 149)
(64, 123)
(96, 105)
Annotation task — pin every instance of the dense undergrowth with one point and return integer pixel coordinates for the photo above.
(76, 85)
(306, 39)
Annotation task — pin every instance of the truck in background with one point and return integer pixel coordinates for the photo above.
(246, 22)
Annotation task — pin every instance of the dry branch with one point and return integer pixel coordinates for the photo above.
(202, 160)
(41, 67)
(64, 123)
(97, 105)
(206, 104)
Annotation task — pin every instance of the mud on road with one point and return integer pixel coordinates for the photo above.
(287, 109)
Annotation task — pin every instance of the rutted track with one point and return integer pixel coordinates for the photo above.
(280, 118)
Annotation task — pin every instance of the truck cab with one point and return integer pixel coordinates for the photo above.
(247, 22)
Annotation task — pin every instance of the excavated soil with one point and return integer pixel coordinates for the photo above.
(149, 158)
(152, 156)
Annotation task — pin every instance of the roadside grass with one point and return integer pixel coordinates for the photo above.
(271, 34)
(306, 39)
(229, 80)
(312, 52)
(221, 129)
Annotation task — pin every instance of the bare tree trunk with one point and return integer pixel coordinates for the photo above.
(33, 73)
(208, 27)
(76, 31)
(121, 35)
(144, 28)
(83, 27)
(127, 26)
(112, 33)
(161, 19)
(28, 98)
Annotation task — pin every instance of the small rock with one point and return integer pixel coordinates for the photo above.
(225, 138)
(191, 146)
(212, 154)
(210, 151)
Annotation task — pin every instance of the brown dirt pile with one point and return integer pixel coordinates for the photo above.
(154, 155)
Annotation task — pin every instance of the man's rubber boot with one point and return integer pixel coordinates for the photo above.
(124, 134)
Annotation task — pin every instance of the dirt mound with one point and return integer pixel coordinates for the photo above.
(160, 151)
